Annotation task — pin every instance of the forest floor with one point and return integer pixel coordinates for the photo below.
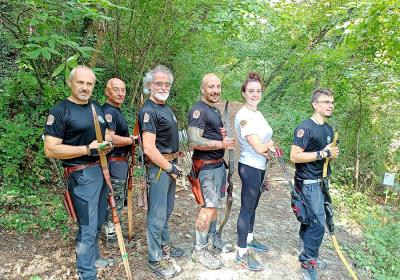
(50, 256)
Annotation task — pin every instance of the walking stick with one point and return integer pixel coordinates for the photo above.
(111, 201)
(329, 214)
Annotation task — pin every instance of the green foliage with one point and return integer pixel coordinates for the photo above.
(379, 253)
(351, 47)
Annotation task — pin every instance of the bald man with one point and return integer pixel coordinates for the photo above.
(118, 157)
(209, 146)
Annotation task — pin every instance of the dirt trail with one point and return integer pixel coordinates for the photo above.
(51, 257)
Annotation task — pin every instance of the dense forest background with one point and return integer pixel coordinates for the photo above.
(352, 47)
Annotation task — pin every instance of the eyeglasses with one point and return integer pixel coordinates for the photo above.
(327, 102)
(160, 84)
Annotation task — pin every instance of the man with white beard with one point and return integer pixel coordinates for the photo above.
(159, 130)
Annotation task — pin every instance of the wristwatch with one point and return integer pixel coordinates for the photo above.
(327, 152)
(319, 156)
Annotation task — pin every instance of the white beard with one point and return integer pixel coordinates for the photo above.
(161, 97)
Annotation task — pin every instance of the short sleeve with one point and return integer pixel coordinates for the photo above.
(111, 120)
(301, 137)
(147, 121)
(197, 118)
(55, 123)
(247, 127)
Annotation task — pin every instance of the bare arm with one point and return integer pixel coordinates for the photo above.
(53, 147)
(198, 142)
(259, 147)
(120, 141)
(150, 150)
(297, 154)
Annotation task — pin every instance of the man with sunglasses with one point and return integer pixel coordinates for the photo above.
(159, 130)
(311, 145)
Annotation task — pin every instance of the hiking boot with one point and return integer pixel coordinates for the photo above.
(217, 242)
(162, 268)
(112, 242)
(257, 246)
(204, 257)
(172, 251)
(249, 261)
(103, 263)
(309, 271)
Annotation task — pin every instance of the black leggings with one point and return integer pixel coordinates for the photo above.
(251, 191)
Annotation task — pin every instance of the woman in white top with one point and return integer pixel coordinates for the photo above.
(254, 134)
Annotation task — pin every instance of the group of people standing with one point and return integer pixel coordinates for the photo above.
(70, 136)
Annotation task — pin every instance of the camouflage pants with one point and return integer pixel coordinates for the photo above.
(119, 189)
(118, 171)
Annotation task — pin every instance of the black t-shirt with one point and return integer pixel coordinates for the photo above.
(73, 123)
(207, 118)
(160, 120)
(117, 123)
(312, 137)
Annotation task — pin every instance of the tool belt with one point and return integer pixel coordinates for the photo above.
(117, 158)
(198, 164)
(194, 180)
(168, 157)
(171, 156)
(69, 169)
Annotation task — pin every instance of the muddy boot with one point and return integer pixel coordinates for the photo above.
(217, 242)
(203, 256)
(163, 268)
(309, 271)
(169, 250)
(103, 263)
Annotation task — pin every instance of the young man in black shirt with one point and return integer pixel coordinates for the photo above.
(311, 145)
(209, 146)
(159, 129)
(118, 157)
(70, 136)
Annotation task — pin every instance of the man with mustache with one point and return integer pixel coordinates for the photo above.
(209, 145)
(70, 136)
(118, 157)
(159, 130)
(311, 145)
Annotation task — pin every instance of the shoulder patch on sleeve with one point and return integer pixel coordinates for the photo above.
(243, 123)
(196, 114)
(50, 120)
(146, 118)
(108, 118)
(300, 133)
